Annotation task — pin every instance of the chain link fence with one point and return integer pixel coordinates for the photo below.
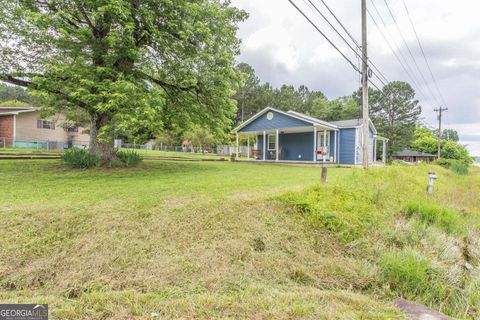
(37, 144)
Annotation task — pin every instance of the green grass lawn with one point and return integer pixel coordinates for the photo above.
(229, 240)
(145, 153)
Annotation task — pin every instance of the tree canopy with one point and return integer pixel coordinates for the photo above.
(127, 64)
(425, 140)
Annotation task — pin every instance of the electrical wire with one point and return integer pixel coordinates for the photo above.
(410, 51)
(423, 53)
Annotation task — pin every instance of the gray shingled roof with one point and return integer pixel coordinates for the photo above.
(412, 153)
(348, 123)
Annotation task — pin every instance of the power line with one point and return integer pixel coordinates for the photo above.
(405, 65)
(410, 51)
(339, 51)
(336, 48)
(343, 38)
(423, 53)
(353, 39)
(323, 34)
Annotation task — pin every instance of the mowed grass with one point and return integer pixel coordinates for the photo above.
(231, 240)
(143, 152)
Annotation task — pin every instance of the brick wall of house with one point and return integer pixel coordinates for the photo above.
(6, 129)
(6, 126)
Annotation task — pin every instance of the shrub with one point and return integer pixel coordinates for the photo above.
(432, 214)
(80, 158)
(408, 273)
(129, 158)
(456, 166)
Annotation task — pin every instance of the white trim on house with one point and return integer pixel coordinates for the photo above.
(268, 142)
(15, 112)
(312, 119)
(292, 114)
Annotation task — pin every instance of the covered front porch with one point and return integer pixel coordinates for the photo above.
(314, 144)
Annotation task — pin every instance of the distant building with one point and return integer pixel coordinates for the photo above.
(23, 127)
(414, 156)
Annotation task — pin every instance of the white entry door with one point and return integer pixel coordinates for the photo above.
(320, 145)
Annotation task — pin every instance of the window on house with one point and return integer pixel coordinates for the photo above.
(71, 129)
(272, 142)
(45, 124)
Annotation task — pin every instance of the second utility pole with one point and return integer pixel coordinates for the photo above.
(440, 128)
(366, 123)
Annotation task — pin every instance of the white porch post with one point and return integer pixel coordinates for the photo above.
(384, 152)
(276, 145)
(375, 146)
(324, 144)
(264, 144)
(314, 144)
(335, 148)
(248, 147)
(237, 149)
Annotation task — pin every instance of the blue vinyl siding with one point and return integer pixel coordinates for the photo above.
(292, 145)
(332, 143)
(279, 121)
(347, 146)
(297, 146)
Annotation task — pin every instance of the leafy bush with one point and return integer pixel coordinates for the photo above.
(432, 214)
(407, 273)
(129, 158)
(339, 210)
(80, 158)
(456, 166)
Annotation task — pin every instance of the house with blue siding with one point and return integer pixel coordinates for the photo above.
(291, 136)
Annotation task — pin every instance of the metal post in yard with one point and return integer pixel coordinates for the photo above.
(431, 181)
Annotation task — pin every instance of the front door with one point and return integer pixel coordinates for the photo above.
(323, 146)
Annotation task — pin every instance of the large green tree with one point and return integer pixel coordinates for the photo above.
(125, 63)
(395, 112)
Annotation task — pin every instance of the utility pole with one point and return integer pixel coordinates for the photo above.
(440, 127)
(364, 86)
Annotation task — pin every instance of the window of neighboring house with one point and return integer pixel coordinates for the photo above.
(45, 124)
(71, 129)
(272, 142)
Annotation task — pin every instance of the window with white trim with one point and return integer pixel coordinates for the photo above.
(45, 124)
(272, 142)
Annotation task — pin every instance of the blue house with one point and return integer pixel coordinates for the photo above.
(292, 136)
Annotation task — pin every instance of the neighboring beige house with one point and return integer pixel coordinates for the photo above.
(23, 127)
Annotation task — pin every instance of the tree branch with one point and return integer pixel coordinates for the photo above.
(14, 78)
(166, 85)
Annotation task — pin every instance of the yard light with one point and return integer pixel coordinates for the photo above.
(432, 176)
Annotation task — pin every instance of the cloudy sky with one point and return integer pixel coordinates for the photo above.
(285, 49)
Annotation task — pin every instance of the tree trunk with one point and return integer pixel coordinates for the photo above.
(104, 149)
